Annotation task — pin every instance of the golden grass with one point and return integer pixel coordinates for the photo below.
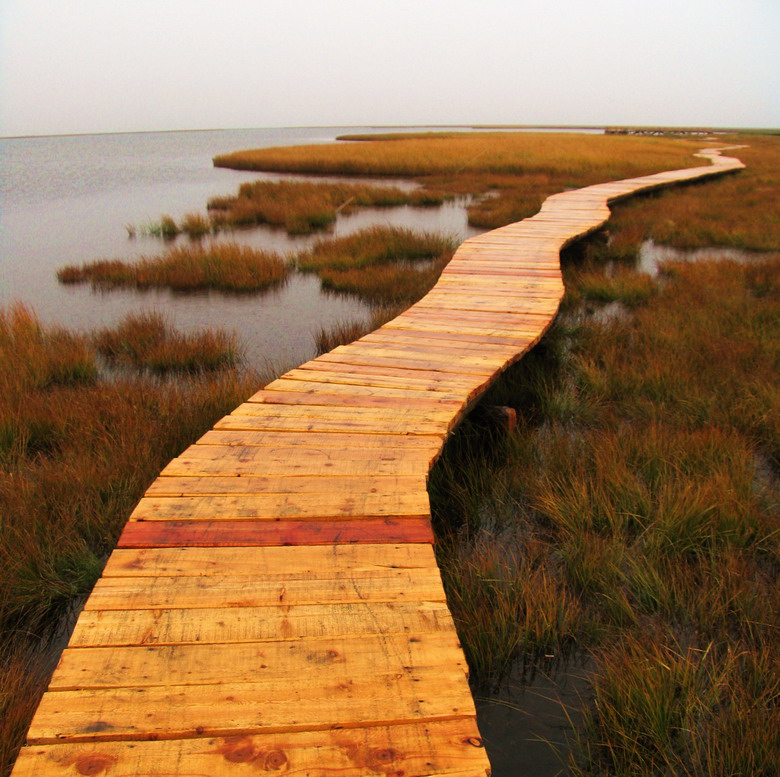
(735, 211)
(301, 207)
(518, 169)
(641, 489)
(380, 264)
(597, 157)
(76, 453)
(147, 341)
(222, 266)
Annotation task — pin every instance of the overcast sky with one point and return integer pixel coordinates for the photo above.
(70, 66)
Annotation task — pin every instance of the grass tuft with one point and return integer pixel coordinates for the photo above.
(221, 266)
(146, 341)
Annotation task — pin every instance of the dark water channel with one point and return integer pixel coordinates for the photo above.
(67, 200)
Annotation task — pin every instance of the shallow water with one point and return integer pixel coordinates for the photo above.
(651, 255)
(67, 200)
(528, 723)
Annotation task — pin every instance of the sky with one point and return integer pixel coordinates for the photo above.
(82, 66)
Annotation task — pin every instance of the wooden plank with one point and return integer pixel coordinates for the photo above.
(391, 359)
(281, 392)
(313, 464)
(409, 330)
(295, 484)
(172, 534)
(263, 455)
(272, 705)
(174, 665)
(276, 507)
(295, 561)
(355, 425)
(343, 442)
(301, 386)
(418, 411)
(432, 748)
(361, 375)
(257, 624)
(170, 592)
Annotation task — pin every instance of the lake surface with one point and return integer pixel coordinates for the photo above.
(68, 200)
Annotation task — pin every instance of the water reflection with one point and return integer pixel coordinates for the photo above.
(651, 255)
(67, 200)
(528, 723)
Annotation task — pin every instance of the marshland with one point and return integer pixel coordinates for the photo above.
(626, 532)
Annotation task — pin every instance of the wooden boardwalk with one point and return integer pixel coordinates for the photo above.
(274, 604)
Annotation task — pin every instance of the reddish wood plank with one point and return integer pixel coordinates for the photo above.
(172, 534)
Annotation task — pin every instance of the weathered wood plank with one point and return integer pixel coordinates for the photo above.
(331, 560)
(253, 590)
(451, 748)
(257, 624)
(197, 534)
(260, 484)
(223, 664)
(340, 441)
(276, 507)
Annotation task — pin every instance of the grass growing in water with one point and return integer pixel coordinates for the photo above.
(378, 264)
(146, 341)
(301, 207)
(517, 169)
(641, 491)
(76, 454)
(221, 266)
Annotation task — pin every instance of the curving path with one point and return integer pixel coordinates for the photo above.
(274, 605)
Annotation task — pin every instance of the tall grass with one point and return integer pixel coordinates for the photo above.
(606, 157)
(76, 453)
(146, 341)
(221, 266)
(380, 264)
(733, 211)
(517, 170)
(301, 207)
(345, 332)
(641, 491)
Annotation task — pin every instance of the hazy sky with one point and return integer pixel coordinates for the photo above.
(121, 65)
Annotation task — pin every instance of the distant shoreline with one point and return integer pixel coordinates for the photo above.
(475, 127)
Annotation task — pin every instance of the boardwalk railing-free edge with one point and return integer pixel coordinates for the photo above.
(274, 604)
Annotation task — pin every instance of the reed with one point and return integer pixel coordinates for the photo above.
(302, 207)
(641, 490)
(345, 332)
(196, 225)
(729, 212)
(222, 266)
(574, 155)
(383, 265)
(75, 457)
(147, 341)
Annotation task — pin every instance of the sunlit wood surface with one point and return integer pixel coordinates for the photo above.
(274, 604)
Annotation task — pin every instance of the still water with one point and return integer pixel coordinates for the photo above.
(68, 200)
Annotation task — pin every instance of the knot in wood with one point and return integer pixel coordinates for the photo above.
(91, 764)
(276, 759)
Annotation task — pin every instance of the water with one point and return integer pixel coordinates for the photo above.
(67, 200)
(651, 255)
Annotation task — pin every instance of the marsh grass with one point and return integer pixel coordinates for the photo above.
(515, 170)
(662, 707)
(76, 453)
(641, 489)
(380, 264)
(221, 266)
(345, 332)
(594, 156)
(302, 207)
(734, 211)
(146, 341)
